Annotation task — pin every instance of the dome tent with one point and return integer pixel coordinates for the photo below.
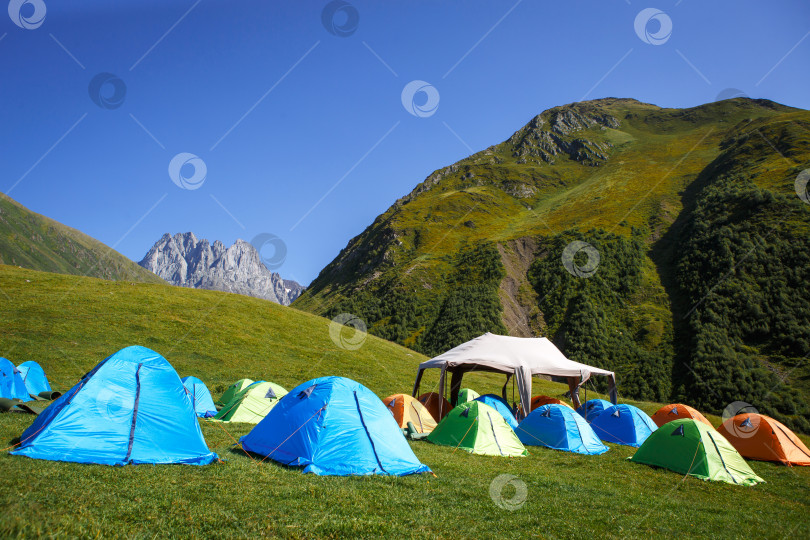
(760, 437)
(623, 424)
(467, 394)
(593, 408)
(500, 405)
(479, 429)
(251, 404)
(560, 428)
(12, 385)
(232, 390)
(200, 397)
(677, 411)
(688, 446)
(36, 383)
(407, 409)
(131, 408)
(333, 426)
(539, 401)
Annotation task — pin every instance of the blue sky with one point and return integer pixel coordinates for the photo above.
(302, 131)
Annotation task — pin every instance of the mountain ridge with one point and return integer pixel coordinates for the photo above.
(186, 261)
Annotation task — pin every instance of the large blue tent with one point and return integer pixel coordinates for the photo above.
(333, 426)
(593, 408)
(500, 405)
(131, 408)
(34, 378)
(12, 385)
(561, 428)
(200, 396)
(624, 424)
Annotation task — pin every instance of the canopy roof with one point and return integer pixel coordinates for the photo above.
(503, 354)
(513, 356)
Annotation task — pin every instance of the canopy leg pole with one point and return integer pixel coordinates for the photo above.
(442, 390)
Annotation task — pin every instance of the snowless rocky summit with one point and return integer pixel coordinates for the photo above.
(185, 261)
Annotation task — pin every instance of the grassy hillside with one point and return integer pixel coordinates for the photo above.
(68, 324)
(33, 241)
(691, 211)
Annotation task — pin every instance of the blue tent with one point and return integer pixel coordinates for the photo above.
(200, 396)
(131, 408)
(498, 403)
(12, 385)
(624, 424)
(559, 427)
(333, 426)
(34, 378)
(593, 408)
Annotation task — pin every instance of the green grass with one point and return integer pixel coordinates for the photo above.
(69, 324)
(34, 241)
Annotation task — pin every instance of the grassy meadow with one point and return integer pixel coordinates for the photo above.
(69, 324)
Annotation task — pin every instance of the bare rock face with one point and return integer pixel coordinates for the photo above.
(185, 261)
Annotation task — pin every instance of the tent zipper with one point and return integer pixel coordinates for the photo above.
(721, 458)
(494, 436)
(134, 413)
(363, 421)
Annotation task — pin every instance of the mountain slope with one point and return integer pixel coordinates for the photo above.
(33, 241)
(478, 246)
(185, 261)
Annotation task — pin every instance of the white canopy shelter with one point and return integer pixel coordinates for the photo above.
(512, 356)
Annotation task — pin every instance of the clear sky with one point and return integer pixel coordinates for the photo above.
(294, 110)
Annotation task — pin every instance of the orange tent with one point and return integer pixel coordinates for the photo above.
(539, 401)
(434, 402)
(760, 437)
(407, 409)
(677, 411)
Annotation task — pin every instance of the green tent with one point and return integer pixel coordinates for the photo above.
(690, 447)
(478, 429)
(232, 390)
(252, 404)
(467, 394)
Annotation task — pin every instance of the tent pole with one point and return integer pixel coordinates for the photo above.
(417, 381)
(442, 389)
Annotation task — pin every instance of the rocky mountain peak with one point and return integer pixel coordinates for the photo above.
(186, 261)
